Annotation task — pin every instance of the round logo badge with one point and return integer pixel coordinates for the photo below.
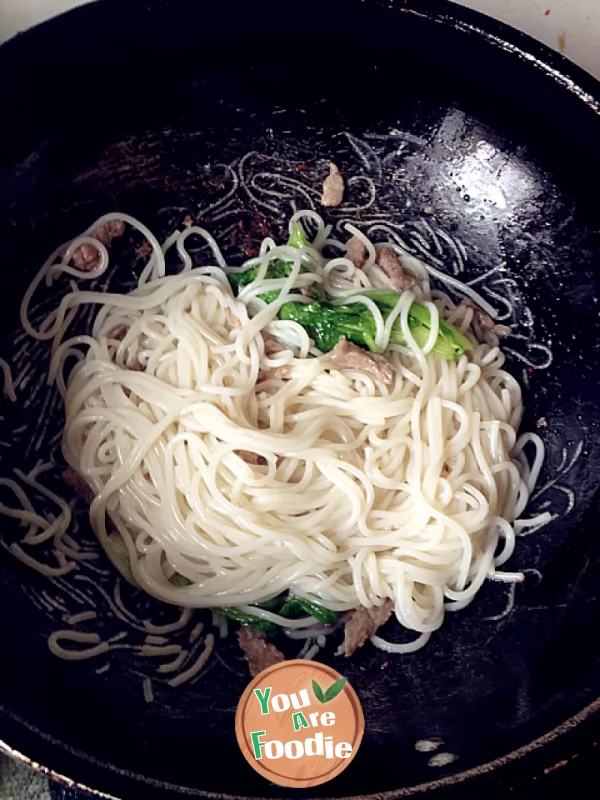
(299, 723)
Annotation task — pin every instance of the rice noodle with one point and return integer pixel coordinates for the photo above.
(183, 620)
(197, 666)
(311, 652)
(412, 493)
(158, 651)
(148, 690)
(98, 647)
(196, 632)
(410, 647)
(83, 616)
(156, 640)
(9, 385)
(173, 666)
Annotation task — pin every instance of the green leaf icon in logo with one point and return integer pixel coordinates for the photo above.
(334, 689)
(318, 692)
(329, 694)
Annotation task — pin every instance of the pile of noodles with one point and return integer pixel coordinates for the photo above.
(362, 492)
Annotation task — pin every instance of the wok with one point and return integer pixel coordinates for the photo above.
(468, 132)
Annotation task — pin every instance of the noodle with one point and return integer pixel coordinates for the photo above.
(173, 666)
(197, 666)
(148, 690)
(154, 651)
(38, 566)
(355, 492)
(196, 632)
(9, 385)
(155, 640)
(83, 616)
(311, 652)
(98, 647)
(410, 647)
(184, 618)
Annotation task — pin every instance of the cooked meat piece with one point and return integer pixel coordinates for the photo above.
(347, 354)
(258, 651)
(144, 250)
(502, 330)
(232, 320)
(333, 188)
(188, 221)
(283, 373)
(484, 321)
(272, 345)
(118, 332)
(480, 318)
(86, 257)
(362, 623)
(136, 365)
(108, 231)
(356, 251)
(252, 458)
(75, 481)
(389, 262)
(305, 292)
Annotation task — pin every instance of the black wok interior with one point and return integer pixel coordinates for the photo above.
(107, 110)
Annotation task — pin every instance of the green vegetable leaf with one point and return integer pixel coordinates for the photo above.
(449, 338)
(334, 690)
(270, 297)
(382, 298)
(296, 605)
(327, 323)
(116, 549)
(297, 237)
(179, 580)
(248, 619)
(318, 692)
(276, 269)
(273, 604)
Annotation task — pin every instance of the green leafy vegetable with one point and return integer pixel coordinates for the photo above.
(116, 550)
(179, 580)
(274, 604)
(327, 323)
(318, 692)
(276, 269)
(449, 338)
(298, 605)
(286, 606)
(297, 237)
(248, 619)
